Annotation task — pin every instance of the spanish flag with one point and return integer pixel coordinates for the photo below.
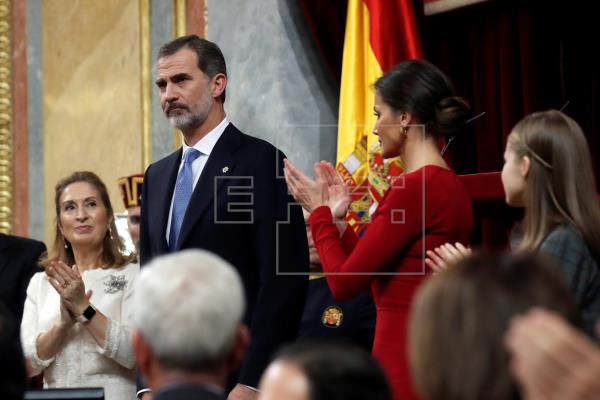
(379, 34)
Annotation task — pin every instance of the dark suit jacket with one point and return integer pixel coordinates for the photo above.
(187, 392)
(357, 319)
(18, 262)
(241, 210)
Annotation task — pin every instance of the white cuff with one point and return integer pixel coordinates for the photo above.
(37, 364)
(139, 394)
(117, 344)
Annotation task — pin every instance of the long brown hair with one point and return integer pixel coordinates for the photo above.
(113, 248)
(459, 318)
(560, 184)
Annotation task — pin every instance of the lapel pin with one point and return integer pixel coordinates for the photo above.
(225, 170)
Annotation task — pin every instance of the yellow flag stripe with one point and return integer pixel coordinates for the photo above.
(360, 69)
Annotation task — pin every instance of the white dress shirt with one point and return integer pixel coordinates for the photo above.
(205, 147)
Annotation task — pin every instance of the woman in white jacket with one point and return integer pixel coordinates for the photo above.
(75, 322)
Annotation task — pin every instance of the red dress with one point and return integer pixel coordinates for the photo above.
(423, 209)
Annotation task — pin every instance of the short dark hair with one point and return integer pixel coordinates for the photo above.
(459, 319)
(419, 87)
(208, 55)
(337, 371)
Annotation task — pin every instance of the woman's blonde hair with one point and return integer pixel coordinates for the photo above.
(113, 248)
(560, 184)
(459, 318)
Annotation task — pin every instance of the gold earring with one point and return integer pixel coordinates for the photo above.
(64, 242)
(404, 130)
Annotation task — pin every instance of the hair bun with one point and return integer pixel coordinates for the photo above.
(450, 115)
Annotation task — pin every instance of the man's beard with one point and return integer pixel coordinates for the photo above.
(190, 118)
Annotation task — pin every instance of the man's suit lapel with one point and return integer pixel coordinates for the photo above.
(166, 176)
(219, 165)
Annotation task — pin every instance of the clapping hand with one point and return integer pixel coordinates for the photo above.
(309, 193)
(551, 359)
(327, 189)
(69, 285)
(445, 255)
(338, 192)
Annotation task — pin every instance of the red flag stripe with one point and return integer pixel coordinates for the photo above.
(394, 34)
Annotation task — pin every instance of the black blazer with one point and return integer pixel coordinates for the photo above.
(357, 317)
(241, 210)
(187, 392)
(18, 262)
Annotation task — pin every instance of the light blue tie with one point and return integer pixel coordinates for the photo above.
(183, 193)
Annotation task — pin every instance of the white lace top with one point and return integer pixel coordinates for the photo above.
(81, 362)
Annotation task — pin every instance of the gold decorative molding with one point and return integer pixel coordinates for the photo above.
(179, 25)
(6, 161)
(146, 83)
(179, 29)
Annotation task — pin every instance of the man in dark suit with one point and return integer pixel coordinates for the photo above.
(18, 262)
(188, 333)
(224, 191)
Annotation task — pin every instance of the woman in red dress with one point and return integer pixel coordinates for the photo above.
(427, 206)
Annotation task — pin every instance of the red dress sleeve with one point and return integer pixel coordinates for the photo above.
(349, 240)
(396, 224)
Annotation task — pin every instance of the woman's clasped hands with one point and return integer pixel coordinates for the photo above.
(69, 285)
(327, 189)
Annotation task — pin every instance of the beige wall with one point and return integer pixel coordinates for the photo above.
(92, 93)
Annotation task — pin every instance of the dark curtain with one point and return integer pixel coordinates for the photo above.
(511, 59)
(326, 21)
